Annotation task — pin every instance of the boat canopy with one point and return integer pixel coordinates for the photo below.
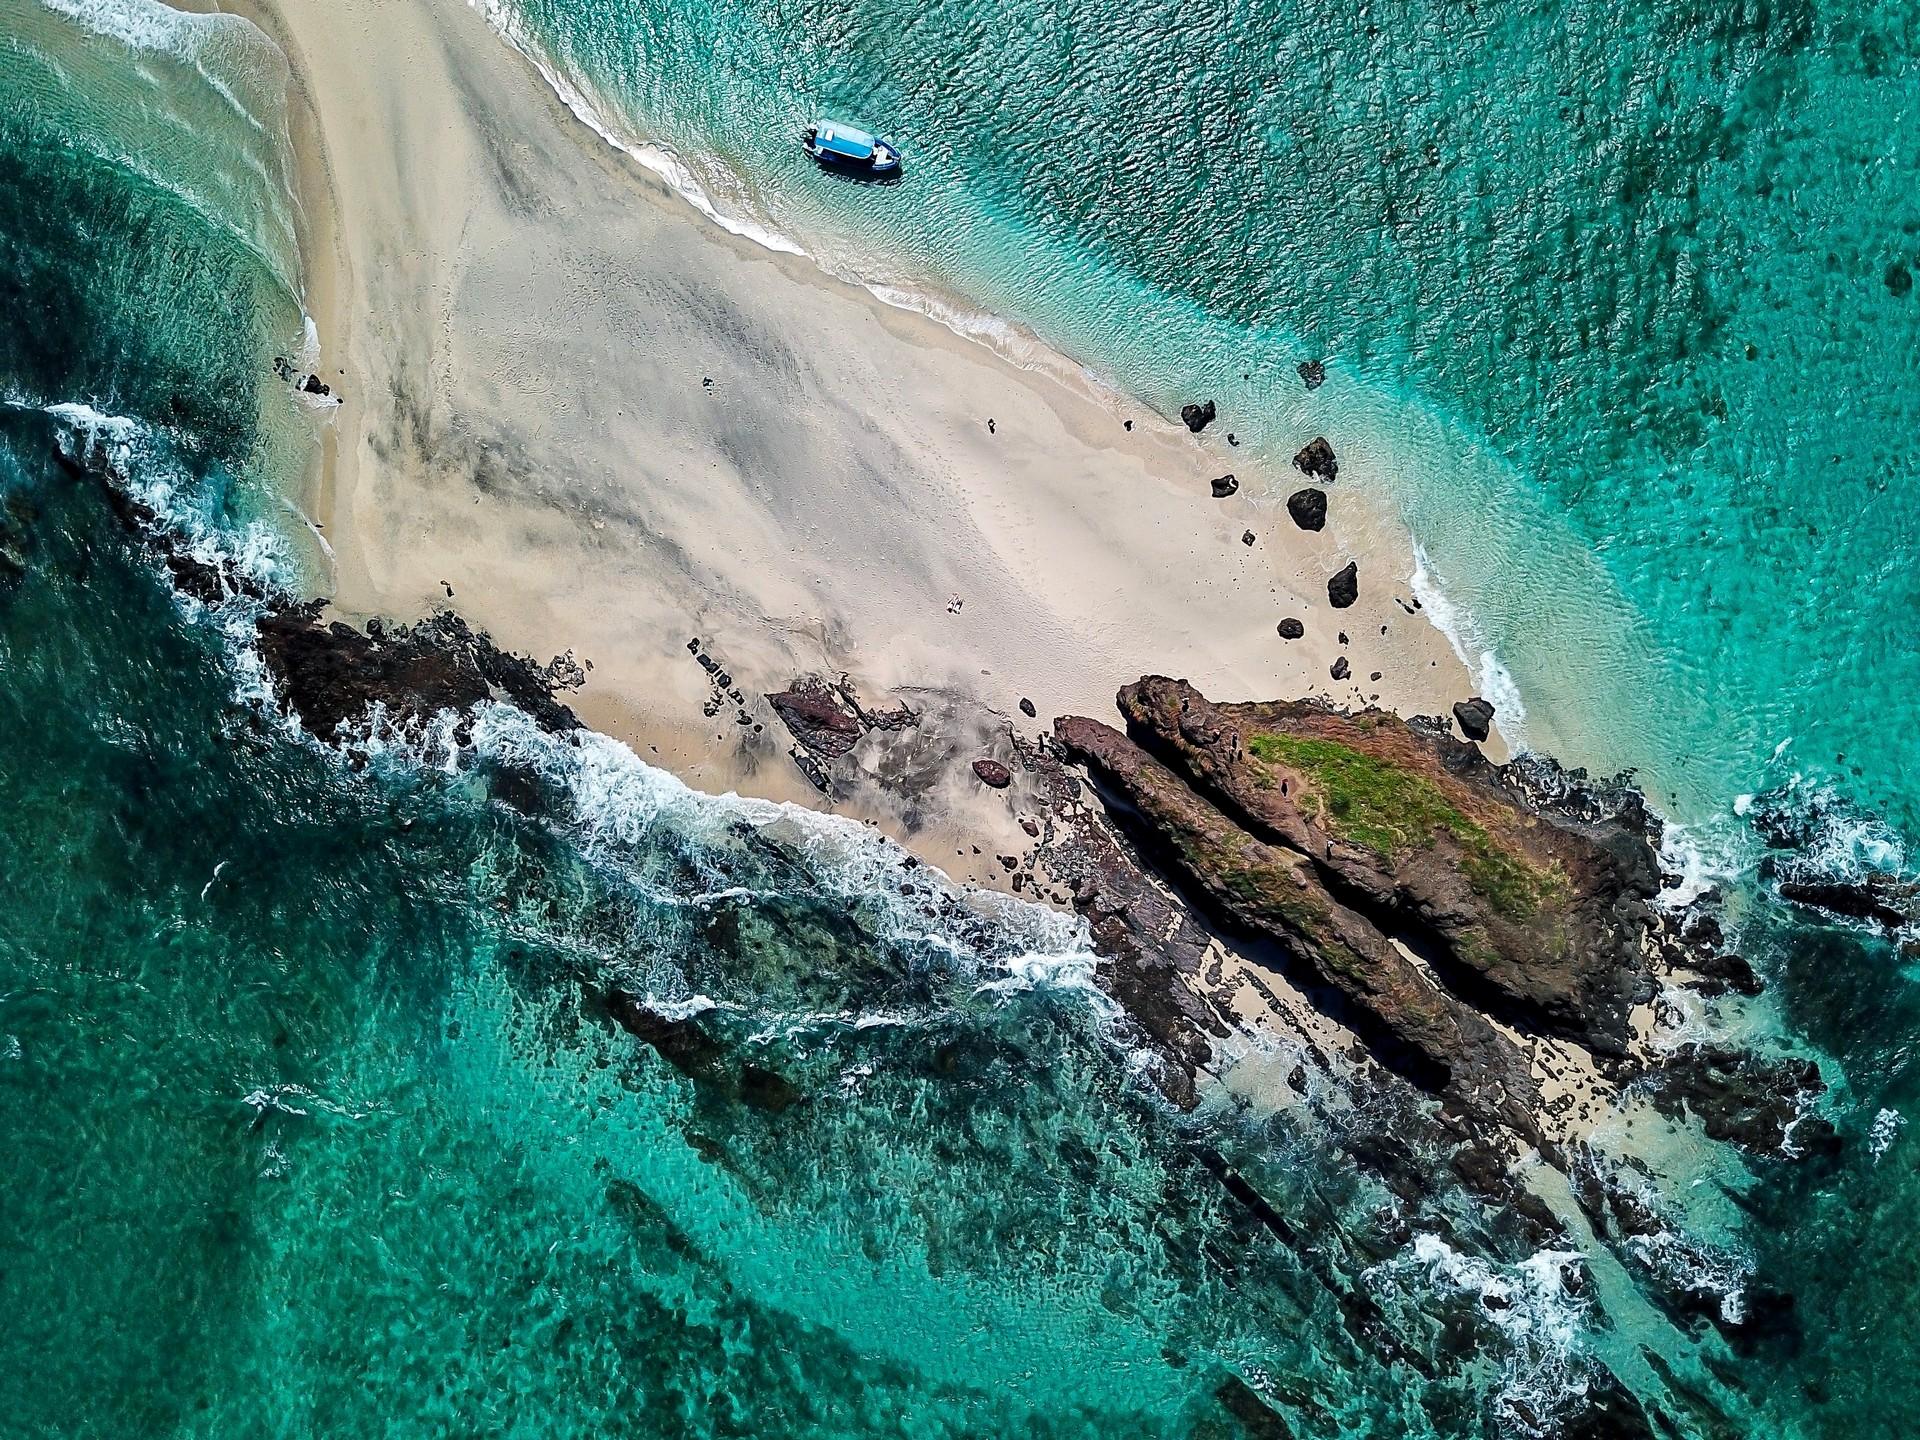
(838, 139)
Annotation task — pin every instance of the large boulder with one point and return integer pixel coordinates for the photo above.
(1475, 717)
(1316, 460)
(1197, 417)
(1344, 588)
(1308, 508)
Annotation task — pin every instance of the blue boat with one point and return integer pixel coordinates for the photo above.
(846, 147)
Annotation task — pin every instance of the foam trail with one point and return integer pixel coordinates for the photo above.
(1496, 682)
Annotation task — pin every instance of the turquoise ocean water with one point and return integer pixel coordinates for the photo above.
(312, 1125)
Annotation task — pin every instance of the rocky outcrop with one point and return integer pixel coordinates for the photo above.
(1316, 460)
(1274, 892)
(1197, 417)
(1308, 508)
(1290, 629)
(332, 675)
(1313, 374)
(1536, 917)
(1223, 486)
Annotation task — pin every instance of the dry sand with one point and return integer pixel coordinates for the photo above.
(591, 420)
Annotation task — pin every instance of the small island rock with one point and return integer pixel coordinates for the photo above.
(1308, 509)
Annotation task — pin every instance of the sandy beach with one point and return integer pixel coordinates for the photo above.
(593, 421)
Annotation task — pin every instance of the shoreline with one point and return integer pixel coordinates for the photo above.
(379, 458)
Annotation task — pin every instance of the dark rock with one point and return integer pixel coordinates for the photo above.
(1313, 374)
(1316, 459)
(314, 385)
(1899, 280)
(1340, 669)
(992, 772)
(1344, 588)
(1762, 1105)
(1026, 708)
(1276, 893)
(331, 675)
(1291, 629)
(1197, 417)
(1884, 899)
(1308, 508)
(1475, 717)
(1223, 486)
(1420, 835)
(1246, 537)
(818, 717)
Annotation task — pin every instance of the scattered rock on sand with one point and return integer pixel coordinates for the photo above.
(1308, 509)
(1475, 717)
(992, 772)
(1340, 669)
(1313, 374)
(1246, 537)
(1316, 459)
(1343, 589)
(1026, 708)
(1291, 629)
(1223, 486)
(1197, 417)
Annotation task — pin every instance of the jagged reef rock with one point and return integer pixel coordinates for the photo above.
(1197, 417)
(1410, 837)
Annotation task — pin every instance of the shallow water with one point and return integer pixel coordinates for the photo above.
(315, 1121)
(1614, 298)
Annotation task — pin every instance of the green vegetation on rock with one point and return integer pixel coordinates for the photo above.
(1390, 810)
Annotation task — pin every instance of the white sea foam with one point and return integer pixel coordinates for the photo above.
(654, 157)
(1531, 1305)
(1454, 622)
(1886, 1129)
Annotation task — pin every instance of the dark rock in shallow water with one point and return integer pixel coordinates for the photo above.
(1884, 899)
(1899, 280)
(1197, 417)
(1223, 486)
(992, 772)
(1762, 1105)
(1313, 374)
(1308, 509)
(1475, 717)
(332, 675)
(1316, 459)
(1344, 588)
(1291, 629)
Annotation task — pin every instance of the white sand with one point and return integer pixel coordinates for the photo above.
(520, 319)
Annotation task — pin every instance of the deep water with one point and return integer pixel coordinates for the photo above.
(315, 1121)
